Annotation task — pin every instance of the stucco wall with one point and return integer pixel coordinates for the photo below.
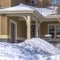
(8, 3)
(4, 25)
(22, 29)
(5, 3)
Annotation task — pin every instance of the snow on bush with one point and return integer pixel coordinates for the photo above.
(33, 49)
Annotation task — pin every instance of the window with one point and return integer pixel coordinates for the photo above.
(55, 2)
(32, 30)
(34, 2)
(57, 31)
(54, 30)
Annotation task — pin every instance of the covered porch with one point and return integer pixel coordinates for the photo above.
(20, 24)
(26, 26)
(28, 23)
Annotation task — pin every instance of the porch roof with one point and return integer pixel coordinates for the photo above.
(21, 8)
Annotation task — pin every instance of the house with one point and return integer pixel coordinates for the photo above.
(16, 25)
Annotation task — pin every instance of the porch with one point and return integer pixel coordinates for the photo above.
(36, 28)
(35, 22)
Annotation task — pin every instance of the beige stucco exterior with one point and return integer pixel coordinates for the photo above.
(8, 3)
(4, 3)
(4, 25)
(23, 25)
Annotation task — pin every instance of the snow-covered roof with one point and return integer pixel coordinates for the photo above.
(46, 11)
(18, 7)
(21, 7)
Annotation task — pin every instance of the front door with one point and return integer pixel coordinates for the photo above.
(13, 32)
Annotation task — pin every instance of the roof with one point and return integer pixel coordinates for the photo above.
(21, 8)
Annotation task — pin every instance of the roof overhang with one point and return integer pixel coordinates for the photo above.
(53, 16)
(24, 10)
(32, 13)
(15, 12)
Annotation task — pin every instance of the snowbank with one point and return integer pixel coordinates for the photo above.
(40, 44)
(33, 49)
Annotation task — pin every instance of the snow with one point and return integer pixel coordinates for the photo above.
(42, 11)
(46, 11)
(48, 35)
(40, 43)
(18, 7)
(33, 49)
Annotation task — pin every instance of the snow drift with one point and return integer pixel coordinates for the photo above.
(33, 49)
(40, 44)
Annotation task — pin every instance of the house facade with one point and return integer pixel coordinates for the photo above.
(21, 26)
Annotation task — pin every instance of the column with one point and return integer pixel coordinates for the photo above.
(0, 25)
(28, 21)
(36, 29)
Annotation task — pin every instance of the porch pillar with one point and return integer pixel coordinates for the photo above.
(36, 29)
(0, 25)
(28, 21)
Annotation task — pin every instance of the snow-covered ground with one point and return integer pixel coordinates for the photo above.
(33, 49)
